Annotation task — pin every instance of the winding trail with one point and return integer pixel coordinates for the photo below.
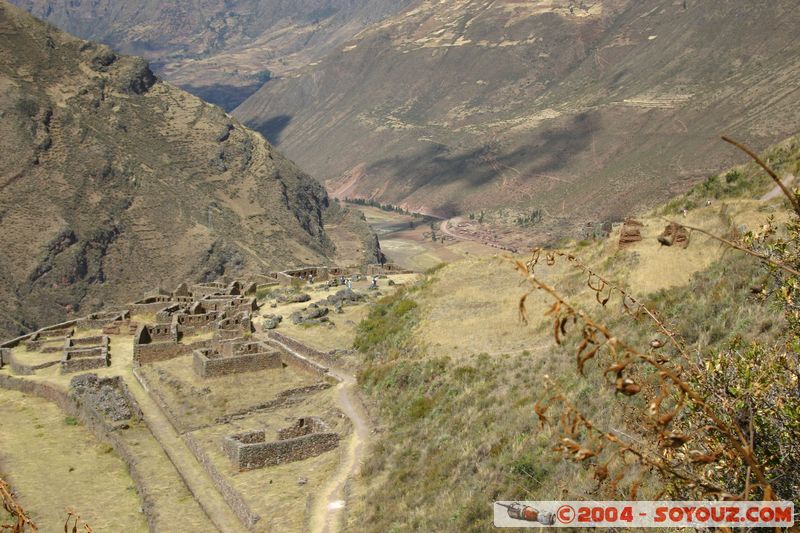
(776, 191)
(445, 228)
(329, 504)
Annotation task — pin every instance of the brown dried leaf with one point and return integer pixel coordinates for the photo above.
(554, 310)
(674, 439)
(563, 325)
(627, 386)
(595, 289)
(556, 329)
(696, 456)
(522, 310)
(540, 412)
(666, 418)
(589, 355)
(616, 368)
(605, 300)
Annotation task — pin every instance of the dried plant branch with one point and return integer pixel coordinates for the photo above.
(23, 523)
(791, 196)
(692, 432)
(564, 313)
(626, 295)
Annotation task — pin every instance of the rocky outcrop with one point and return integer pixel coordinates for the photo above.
(106, 188)
(135, 77)
(193, 44)
(312, 315)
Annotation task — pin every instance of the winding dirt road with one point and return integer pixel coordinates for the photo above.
(445, 228)
(327, 511)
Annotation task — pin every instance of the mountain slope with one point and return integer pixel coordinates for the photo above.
(113, 182)
(220, 51)
(587, 110)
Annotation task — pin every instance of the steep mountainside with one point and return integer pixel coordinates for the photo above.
(220, 51)
(587, 110)
(113, 182)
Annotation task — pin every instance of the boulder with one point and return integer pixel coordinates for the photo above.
(135, 76)
(345, 296)
(316, 312)
(272, 321)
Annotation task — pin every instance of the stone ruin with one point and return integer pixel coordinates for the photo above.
(379, 269)
(85, 354)
(232, 327)
(101, 320)
(49, 340)
(235, 357)
(154, 343)
(630, 232)
(307, 437)
(321, 273)
(674, 235)
(108, 398)
(121, 325)
(218, 308)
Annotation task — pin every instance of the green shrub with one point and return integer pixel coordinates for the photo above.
(265, 292)
(388, 324)
(732, 177)
(420, 407)
(28, 108)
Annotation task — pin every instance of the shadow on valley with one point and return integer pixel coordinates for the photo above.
(545, 152)
(228, 97)
(271, 128)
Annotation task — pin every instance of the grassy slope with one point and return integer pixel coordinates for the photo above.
(45, 449)
(453, 375)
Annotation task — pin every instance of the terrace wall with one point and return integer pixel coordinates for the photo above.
(207, 365)
(250, 450)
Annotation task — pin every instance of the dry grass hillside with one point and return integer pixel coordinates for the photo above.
(453, 374)
(587, 110)
(114, 182)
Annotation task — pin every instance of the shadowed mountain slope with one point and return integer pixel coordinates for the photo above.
(220, 51)
(113, 182)
(588, 110)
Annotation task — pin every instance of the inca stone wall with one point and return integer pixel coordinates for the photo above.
(250, 450)
(98, 426)
(630, 232)
(98, 320)
(85, 354)
(231, 496)
(297, 355)
(162, 351)
(209, 363)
